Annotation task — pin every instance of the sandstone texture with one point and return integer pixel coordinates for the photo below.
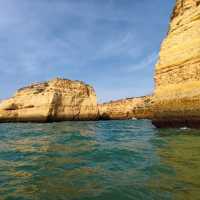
(56, 100)
(177, 77)
(176, 98)
(139, 108)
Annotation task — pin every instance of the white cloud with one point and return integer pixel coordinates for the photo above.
(148, 61)
(40, 39)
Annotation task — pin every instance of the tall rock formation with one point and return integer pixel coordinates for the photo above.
(177, 76)
(56, 100)
(139, 107)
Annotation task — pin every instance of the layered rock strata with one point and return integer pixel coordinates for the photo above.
(177, 77)
(56, 100)
(139, 108)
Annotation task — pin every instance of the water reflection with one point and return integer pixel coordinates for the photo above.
(37, 159)
(98, 160)
(179, 151)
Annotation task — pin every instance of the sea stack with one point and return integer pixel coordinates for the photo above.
(55, 100)
(177, 76)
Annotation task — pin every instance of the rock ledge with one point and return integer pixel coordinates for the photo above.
(55, 100)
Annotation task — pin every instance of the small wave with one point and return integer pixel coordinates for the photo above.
(184, 128)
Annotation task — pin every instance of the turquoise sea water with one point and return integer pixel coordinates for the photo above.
(105, 160)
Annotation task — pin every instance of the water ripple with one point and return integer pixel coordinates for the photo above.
(105, 160)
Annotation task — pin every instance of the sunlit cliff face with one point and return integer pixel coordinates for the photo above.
(183, 5)
(177, 76)
(180, 51)
(55, 100)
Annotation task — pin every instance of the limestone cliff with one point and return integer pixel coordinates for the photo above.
(177, 77)
(139, 108)
(56, 100)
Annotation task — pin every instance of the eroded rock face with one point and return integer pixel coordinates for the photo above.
(139, 108)
(177, 77)
(55, 100)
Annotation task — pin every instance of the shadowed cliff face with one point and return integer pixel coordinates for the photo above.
(177, 76)
(55, 100)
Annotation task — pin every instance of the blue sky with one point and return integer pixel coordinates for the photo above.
(110, 44)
